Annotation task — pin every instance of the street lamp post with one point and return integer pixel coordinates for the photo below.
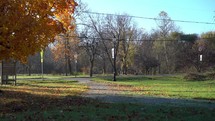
(76, 61)
(200, 57)
(114, 59)
(42, 65)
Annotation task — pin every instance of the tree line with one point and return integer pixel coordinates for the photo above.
(104, 44)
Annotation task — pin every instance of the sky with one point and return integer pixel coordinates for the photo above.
(188, 10)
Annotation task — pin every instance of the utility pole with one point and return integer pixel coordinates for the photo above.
(42, 56)
(66, 54)
(200, 49)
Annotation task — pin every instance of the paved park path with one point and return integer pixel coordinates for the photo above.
(107, 93)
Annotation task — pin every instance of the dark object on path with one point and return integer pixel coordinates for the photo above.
(195, 77)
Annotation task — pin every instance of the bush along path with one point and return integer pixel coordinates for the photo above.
(112, 94)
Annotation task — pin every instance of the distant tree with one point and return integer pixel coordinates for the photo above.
(108, 39)
(66, 47)
(186, 54)
(208, 49)
(128, 35)
(165, 43)
(145, 60)
(90, 44)
(32, 65)
(146, 63)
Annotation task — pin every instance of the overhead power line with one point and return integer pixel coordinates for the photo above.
(110, 39)
(150, 18)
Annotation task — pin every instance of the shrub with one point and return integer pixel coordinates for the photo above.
(195, 77)
(211, 75)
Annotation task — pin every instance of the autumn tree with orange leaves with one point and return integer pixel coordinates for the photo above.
(65, 49)
(27, 26)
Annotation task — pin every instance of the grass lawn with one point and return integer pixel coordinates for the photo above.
(34, 93)
(79, 109)
(58, 99)
(48, 76)
(163, 86)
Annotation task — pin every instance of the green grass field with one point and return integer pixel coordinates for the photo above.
(163, 86)
(48, 76)
(57, 98)
(80, 109)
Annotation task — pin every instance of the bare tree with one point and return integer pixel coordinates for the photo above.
(164, 42)
(109, 37)
(90, 43)
(116, 34)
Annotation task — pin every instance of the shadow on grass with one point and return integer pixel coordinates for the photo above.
(127, 78)
(153, 100)
(15, 101)
(41, 84)
(140, 78)
(142, 90)
(24, 106)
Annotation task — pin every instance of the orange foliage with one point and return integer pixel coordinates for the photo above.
(26, 26)
(65, 46)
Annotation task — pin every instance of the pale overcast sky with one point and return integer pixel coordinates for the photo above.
(189, 10)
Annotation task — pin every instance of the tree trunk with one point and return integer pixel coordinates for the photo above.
(124, 68)
(91, 67)
(70, 66)
(66, 67)
(159, 66)
(166, 58)
(104, 66)
(29, 69)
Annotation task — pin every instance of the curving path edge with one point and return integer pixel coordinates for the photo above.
(106, 93)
